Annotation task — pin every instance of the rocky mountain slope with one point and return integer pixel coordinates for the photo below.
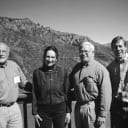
(27, 41)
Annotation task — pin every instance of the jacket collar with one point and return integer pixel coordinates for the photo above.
(87, 64)
(49, 69)
(3, 65)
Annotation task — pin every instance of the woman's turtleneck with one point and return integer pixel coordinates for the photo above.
(48, 68)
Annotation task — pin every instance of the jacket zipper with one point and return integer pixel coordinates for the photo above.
(50, 88)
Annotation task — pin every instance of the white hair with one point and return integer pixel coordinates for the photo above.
(8, 49)
(89, 44)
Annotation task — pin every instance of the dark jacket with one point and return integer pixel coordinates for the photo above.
(49, 87)
(115, 76)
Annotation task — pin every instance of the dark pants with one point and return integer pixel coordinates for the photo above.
(119, 114)
(52, 115)
(118, 121)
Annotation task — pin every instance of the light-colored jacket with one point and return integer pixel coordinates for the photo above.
(11, 77)
(100, 75)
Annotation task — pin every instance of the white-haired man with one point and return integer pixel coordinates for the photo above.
(11, 77)
(92, 88)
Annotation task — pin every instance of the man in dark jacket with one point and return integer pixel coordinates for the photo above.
(119, 78)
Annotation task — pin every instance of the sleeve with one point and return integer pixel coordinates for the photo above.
(71, 93)
(66, 89)
(34, 92)
(105, 93)
(23, 79)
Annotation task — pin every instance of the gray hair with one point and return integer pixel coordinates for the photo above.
(89, 44)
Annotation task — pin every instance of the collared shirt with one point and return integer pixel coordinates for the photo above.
(10, 77)
(100, 74)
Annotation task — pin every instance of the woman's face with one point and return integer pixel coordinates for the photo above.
(50, 58)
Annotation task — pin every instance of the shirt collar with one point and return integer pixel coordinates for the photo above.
(3, 65)
(87, 64)
(48, 69)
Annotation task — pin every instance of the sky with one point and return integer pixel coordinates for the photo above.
(101, 20)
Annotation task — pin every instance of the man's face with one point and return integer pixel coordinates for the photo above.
(85, 53)
(50, 58)
(119, 50)
(4, 53)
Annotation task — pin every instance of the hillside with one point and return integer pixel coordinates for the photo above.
(27, 41)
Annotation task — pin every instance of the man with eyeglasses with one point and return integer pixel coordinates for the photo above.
(11, 78)
(92, 88)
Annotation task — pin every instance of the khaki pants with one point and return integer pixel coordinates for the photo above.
(85, 115)
(10, 117)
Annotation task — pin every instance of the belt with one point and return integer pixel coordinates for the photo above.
(6, 104)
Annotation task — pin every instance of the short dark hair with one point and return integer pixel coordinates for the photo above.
(116, 39)
(53, 48)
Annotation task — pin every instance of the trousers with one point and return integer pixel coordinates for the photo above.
(10, 117)
(52, 115)
(85, 115)
(119, 114)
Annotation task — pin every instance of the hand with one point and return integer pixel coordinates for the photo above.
(100, 121)
(67, 118)
(38, 119)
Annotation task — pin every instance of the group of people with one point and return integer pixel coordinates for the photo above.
(101, 93)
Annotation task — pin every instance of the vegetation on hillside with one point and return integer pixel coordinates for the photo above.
(27, 41)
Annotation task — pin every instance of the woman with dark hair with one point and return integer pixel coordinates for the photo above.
(50, 88)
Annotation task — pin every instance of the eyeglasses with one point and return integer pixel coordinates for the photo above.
(84, 52)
